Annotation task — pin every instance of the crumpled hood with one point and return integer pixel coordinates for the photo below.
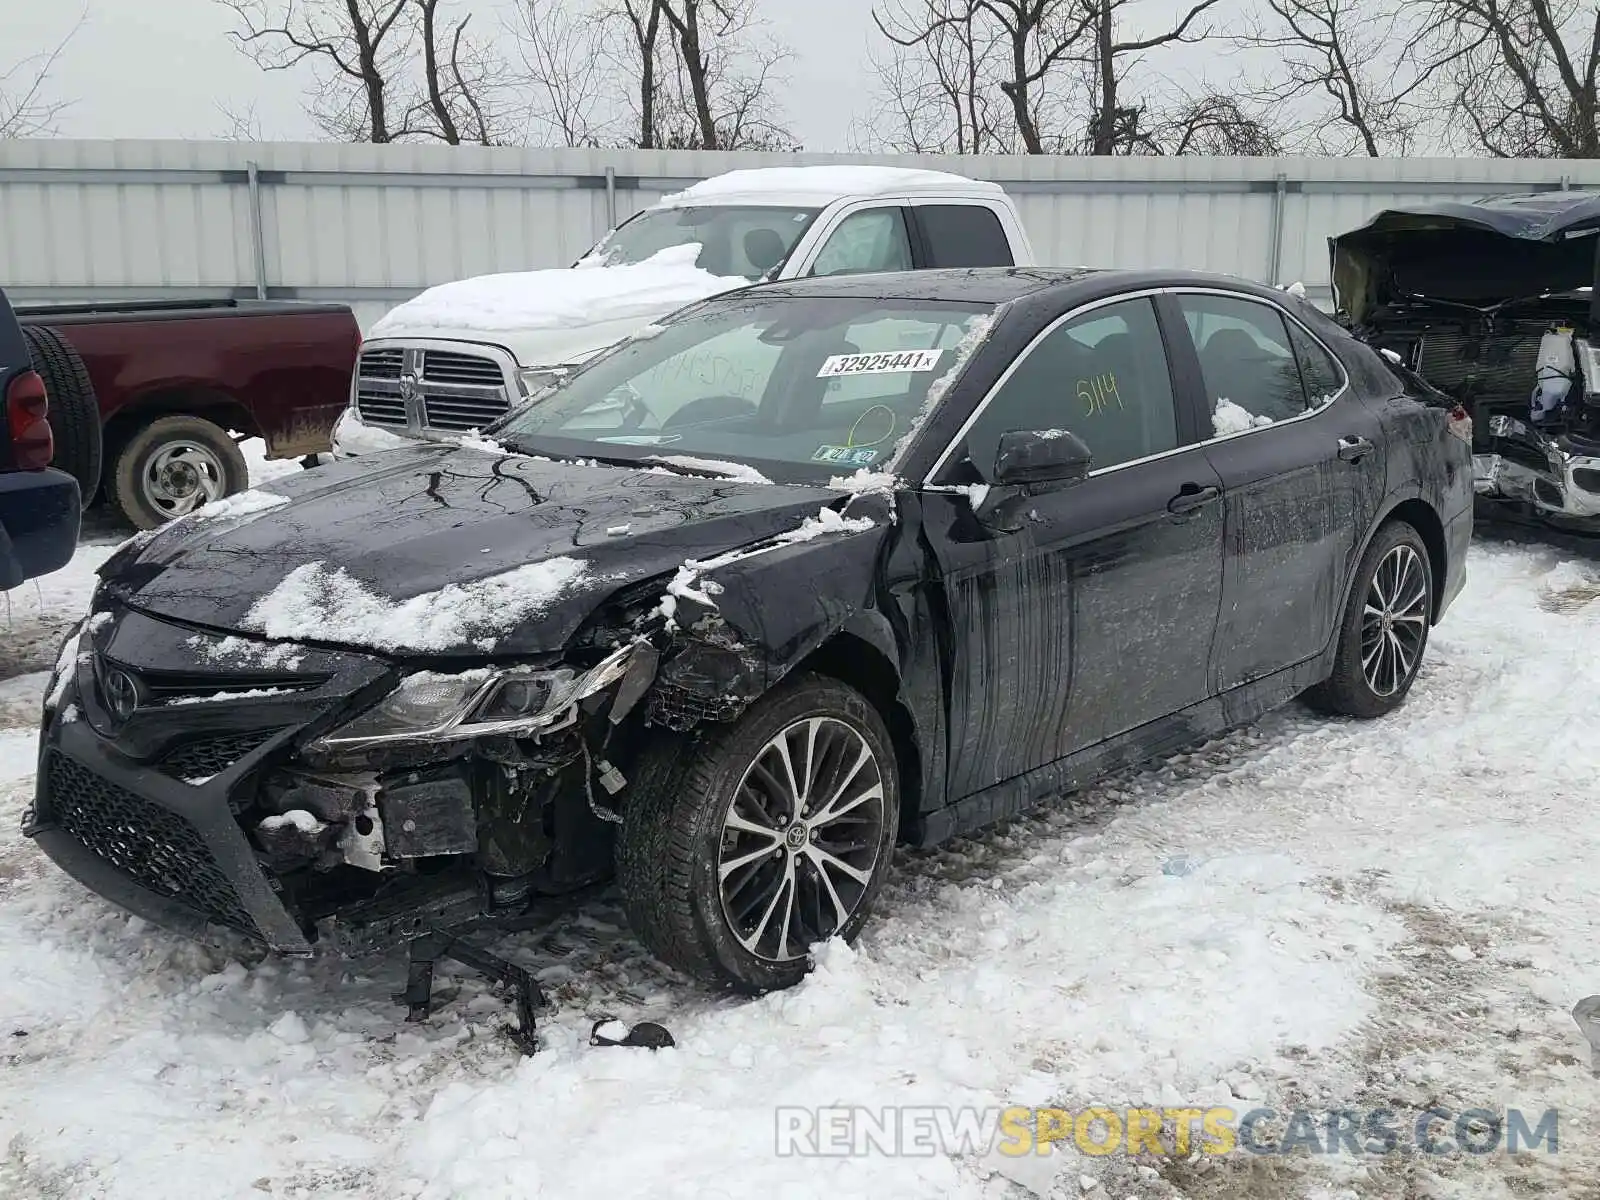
(1507, 248)
(559, 316)
(407, 540)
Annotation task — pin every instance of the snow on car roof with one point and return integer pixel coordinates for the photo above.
(824, 182)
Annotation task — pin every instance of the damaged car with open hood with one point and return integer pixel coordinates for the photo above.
(790, 578)
(1496, 304)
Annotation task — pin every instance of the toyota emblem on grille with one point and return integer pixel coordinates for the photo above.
(122, 694)
(408, 386)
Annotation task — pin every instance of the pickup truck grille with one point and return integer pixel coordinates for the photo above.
(424, 388)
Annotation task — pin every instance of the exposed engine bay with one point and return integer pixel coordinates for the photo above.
(1494, 305)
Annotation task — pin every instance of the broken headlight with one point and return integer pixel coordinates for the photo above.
(433, 707)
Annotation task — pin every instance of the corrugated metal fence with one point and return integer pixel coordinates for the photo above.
(373, 225)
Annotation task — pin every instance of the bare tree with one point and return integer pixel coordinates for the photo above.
(1115, 126)
(356, 48)
(1521, 75)
(1350, 71)
(564, 58)
(241, 125)
(1023, 43)
(26, 108)
(1215, 123)
(938, 79)
(460, 81)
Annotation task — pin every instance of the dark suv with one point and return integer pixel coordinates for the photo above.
(39, 505)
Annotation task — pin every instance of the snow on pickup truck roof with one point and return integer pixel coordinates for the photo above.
(826, 183)
(558, 298)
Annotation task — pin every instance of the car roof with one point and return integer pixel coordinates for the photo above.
(996, 285)
(818, 185)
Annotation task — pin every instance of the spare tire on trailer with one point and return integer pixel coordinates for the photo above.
(74, 409)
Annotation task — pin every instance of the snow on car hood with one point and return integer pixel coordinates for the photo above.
(450, 550)
(557, 316)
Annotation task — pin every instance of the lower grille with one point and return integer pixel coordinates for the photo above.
(457, 413)
(204, 757)
(378, 409)
(154, 846)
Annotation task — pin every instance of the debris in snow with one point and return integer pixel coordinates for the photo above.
(240, 504)
(978, 328)
(559, 298)
(295, 818)
(1462, 953)
(328, 604)
(1180, 866)
(248, 652)
(1229, 417)
(738, 472)
(252, 694)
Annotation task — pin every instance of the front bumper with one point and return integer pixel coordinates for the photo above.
(1568, 486)
(142, 810)
(39, 516)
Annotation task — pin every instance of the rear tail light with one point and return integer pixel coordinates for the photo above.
(1460, 424)
(27, 415)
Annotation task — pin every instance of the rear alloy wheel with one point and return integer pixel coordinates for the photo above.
(744, 849)
(1385, 628)
(173, 466)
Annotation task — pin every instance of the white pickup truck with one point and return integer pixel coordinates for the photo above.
(460, 355)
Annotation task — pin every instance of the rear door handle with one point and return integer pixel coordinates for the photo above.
(1354, 449)
(1192, 497)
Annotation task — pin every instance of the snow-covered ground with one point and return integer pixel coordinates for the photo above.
(1329, 914)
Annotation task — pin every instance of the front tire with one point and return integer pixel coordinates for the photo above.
(746, 844)
(1384, 633)
(173, 466)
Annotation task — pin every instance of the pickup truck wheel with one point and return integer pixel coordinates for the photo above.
(74, 409)
(173, 466)
(745, 844)
(1385, 628)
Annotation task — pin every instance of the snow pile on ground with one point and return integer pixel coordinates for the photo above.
(558, 298)
(322, 603)
(1335, 914)
(843, 180)
(1229, 417)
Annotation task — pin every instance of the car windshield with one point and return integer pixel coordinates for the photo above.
(734, 241)
(798, 388)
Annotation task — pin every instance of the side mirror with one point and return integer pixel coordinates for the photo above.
(1051, 456)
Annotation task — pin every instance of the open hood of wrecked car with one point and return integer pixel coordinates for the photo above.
(442, 550)
(1506, 248)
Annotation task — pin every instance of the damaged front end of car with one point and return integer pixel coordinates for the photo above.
(313, 796)
(1496, 305)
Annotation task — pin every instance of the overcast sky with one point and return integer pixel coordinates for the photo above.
(166, 68)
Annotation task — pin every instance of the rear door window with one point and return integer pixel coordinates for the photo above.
(963, 235)
(1252, 376)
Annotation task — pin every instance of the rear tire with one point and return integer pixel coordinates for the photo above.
(1384, 633)
(173, 466)
(74, 409)
(729, 875)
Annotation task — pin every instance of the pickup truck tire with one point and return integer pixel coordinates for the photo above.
(74, 409)
(173, 466)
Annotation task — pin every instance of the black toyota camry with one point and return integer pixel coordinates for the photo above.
(805, 572)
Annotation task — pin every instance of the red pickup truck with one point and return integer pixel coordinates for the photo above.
(179, 384)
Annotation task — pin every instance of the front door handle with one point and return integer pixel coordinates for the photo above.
(1192, 496)
(1354, 449)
